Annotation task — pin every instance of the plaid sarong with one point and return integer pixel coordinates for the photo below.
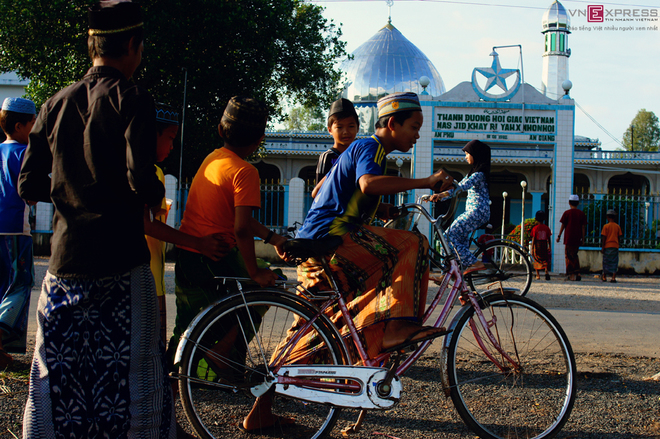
(610, 260)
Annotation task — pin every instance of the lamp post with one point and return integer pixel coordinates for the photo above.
(522, 221)
(522, 71)
(504, 195)
(179, 201)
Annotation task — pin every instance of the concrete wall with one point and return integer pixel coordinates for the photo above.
(630, 262)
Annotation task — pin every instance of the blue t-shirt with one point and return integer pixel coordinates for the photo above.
(13, 210)
(340, 205)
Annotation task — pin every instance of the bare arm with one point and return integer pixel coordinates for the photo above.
(211, 246)
(246, 228)
(371, 184)
(561, 230)
(317, 188)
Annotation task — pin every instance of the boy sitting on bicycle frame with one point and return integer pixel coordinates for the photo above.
(383, 272)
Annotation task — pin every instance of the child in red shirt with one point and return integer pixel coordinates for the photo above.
(541, 246)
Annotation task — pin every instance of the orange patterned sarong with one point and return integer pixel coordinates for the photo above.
(383, 274)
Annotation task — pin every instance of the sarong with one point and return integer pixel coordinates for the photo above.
(541, 255)
(16, 280)
(572, 259)
(99, 365)
(383, 274)
(461, 229)
(610, 260)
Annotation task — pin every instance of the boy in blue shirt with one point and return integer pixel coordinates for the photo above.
(383, 271)
(16, 262)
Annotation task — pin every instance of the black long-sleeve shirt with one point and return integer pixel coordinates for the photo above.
(91, 153)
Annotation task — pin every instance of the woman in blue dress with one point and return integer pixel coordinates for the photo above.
(477, 209)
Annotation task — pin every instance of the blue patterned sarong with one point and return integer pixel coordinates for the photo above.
(99, 368)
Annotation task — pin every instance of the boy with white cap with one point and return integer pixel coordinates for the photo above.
(16, 263)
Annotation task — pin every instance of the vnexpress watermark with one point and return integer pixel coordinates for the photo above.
(616, 19)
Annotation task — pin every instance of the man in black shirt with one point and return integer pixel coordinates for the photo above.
(91, 153)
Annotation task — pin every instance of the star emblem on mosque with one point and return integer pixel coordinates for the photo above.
(496, 75)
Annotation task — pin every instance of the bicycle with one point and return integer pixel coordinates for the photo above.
(506, 363)
(506, 261)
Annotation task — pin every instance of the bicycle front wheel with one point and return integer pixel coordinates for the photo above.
(532, 398)
(505, 262)
(235, 347)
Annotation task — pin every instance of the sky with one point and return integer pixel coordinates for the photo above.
(614, 72)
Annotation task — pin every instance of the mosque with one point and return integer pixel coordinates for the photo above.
(536, 155)
(537, 159)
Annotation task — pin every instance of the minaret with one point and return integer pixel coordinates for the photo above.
(556, 25)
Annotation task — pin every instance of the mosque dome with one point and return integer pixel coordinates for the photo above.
(556, 18)
(388, 63)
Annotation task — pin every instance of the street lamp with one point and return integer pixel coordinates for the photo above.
(504, 195)
(523, 184)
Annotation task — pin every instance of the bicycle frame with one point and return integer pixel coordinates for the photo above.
(329, 298)
(459, 288)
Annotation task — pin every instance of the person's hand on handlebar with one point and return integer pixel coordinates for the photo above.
(439, 197)
(387, 211)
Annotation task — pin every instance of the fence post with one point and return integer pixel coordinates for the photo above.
(296, 207)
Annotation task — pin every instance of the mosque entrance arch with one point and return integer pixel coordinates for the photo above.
(628, 182)
(308, 175)
(268, 173)
(509, 182)
(581, 184)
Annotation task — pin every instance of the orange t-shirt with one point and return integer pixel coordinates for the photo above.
(223, 181)
(611, 232)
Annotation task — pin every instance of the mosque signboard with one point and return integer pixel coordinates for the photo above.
(518, 125)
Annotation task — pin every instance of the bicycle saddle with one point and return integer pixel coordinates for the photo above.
(312, 248)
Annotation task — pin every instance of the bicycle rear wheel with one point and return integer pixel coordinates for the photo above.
(231, 349)
(505, 262)
(532, 402)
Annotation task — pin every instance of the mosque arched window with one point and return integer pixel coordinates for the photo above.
(553, 42)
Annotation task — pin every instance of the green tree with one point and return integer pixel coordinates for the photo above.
(643, 134)
(305, 119)
(277, 51)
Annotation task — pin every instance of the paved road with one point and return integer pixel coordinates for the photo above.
(597, 317)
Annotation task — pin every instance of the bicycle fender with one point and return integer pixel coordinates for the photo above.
(444, 375)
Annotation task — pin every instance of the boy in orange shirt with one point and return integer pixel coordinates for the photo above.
(611, 233)
(223, 194)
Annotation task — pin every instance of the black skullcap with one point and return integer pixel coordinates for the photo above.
(342, 106)
(166, 114)
(113, 17)
(246, 111)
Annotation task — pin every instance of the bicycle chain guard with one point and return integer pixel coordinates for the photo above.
(360, 392)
